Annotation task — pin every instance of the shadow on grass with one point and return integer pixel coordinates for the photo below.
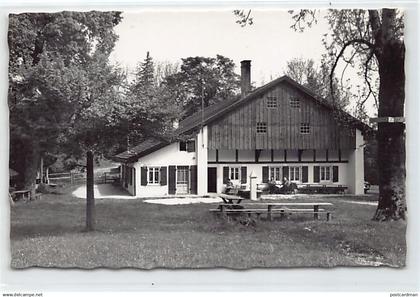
(32, 231)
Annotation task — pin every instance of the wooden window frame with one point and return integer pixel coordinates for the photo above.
(292, 173)
(305, 128)
(272, 102)
(187, 146)
(261, 127)
(325, 171)
(236, 171)
(275, 171)
(294, 102)
(155, 171)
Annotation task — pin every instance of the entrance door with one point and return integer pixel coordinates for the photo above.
(212, 180)
(182, 179)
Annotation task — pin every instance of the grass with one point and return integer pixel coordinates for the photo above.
(131, 233)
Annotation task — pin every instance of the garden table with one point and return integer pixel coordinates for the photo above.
(285, 207)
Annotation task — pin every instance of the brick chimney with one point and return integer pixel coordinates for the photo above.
(245, 77)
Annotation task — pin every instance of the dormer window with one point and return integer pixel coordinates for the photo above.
(272, 102)
(294, 102)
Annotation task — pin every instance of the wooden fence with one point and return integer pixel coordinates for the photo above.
(73, 178)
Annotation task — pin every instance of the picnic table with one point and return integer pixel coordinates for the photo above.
(231, 199)
(17, 195)
(279, 207)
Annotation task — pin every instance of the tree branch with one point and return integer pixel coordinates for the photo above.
(347, 44)
(345, 67)
(367, 80)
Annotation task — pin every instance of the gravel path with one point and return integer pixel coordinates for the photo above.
(103, 191)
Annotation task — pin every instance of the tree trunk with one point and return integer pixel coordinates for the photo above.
(32, 157)
(391, 136)
(90, 197)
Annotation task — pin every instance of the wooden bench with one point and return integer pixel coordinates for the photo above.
(21, 194)
(311, 211)
(276, 207)
(282, 211)
(322, 189)
(248, 211)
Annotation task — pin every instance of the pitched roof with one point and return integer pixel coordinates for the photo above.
(218, 110)
(144, 148)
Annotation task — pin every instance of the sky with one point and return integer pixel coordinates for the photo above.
(170, 35)
(269, 43)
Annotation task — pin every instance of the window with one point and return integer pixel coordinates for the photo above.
(275, 173)
(294, 102)
(187, 146)
(325, 173)
(234, 173)
(154, 175)
(261, 127)
(305, 128)
(294, 173)
(271, 102)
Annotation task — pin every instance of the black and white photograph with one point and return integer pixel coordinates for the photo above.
(218, 138)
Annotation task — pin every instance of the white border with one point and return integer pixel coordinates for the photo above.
(304, 279)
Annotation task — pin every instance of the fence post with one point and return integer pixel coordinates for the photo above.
(90, 197)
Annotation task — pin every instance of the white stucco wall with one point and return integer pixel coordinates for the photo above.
(356, 172)
(343, 178)
(168, 155)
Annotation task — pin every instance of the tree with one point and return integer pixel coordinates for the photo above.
(203, 80)
(145, 77)
(317, 80)
(373, 40)
(148, 109)
(54, 75)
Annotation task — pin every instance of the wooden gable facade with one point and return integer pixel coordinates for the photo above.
(281, 117)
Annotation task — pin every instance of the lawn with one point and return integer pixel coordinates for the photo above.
(131, 233)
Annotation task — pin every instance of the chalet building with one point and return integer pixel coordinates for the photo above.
(278, 130)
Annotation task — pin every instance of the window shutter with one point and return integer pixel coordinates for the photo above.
(265, 174)
(225, 174)
(172, 180)
(143, 181)
(191, 146)
(285, 170)
(163, 179)
(316, 174)
(243, 175)
(304, 174)
(335, 174)
(193, 170)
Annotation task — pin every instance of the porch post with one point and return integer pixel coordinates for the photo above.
(202, 158)
(253, 186)
(356, 166)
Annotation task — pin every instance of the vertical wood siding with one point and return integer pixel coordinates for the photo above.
(237, 129)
